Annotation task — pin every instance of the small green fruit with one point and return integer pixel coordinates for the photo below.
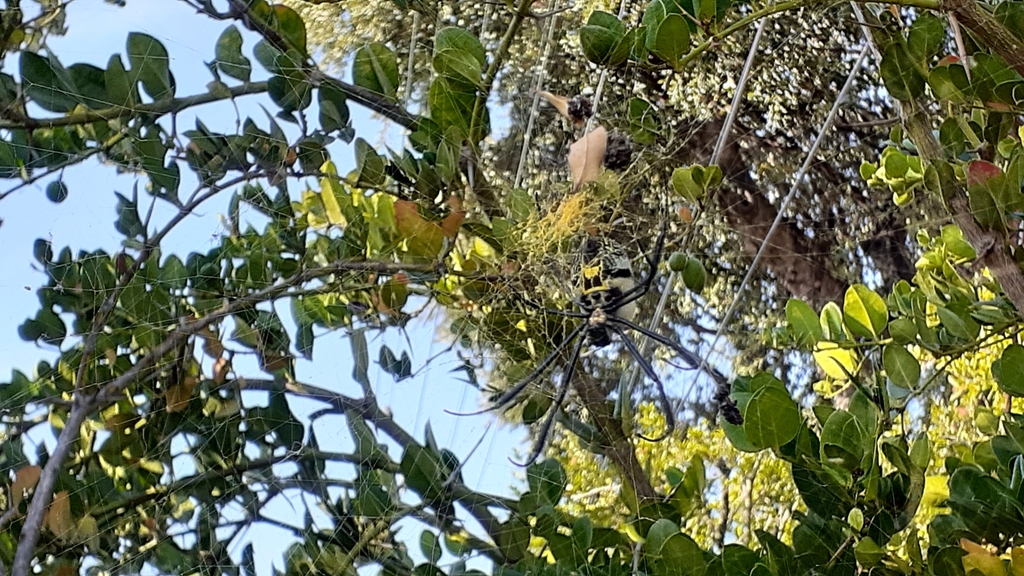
(677, 262)
(694, 275)
(56, 191)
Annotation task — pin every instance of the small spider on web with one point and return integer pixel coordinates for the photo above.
(605, 307)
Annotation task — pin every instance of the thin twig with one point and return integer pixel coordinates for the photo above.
(24, 122)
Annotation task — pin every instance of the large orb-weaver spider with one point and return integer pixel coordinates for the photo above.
(606, 306)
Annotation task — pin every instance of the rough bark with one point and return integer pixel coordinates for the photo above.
(794, 259)
(619, 448)
(984, 26)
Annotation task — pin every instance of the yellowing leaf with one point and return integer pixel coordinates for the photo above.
(837, 362)
(561, 103)
(58, 517)
(330, 192)
(424, 238)
(88, 530)
(981, 559)
(936, 491)
(1017, 561)
(586, 156)
(25, 479)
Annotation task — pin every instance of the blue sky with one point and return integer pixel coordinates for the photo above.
(85, 221)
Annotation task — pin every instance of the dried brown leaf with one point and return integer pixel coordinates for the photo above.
(179, 395)
(561, 103)
(221, 367)
(586, 156)
(25, 479)
(58, 517)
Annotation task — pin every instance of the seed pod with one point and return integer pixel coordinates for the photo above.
(580, 109)
(619, 153)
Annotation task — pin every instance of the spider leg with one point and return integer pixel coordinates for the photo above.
(689, 357)
(722, 384)
(666, 406)
(644, 285)
(511, 393)
(563, 390)
(566, 313)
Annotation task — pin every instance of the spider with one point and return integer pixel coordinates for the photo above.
(605, 307)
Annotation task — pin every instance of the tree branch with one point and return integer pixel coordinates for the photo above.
(618, 447)
(475, 503)
(16, 120)
(985, 26)
(85, 404)
(375, 102)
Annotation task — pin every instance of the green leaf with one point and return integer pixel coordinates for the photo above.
(832, 322)
(128, 222)
(451, 104)
(685, 185)
(304, 339)
(925, 37)
(513, 539)
(771, 417)
(658, 534)
(654, 15)
(230, 59)
(150, 65)
(90, 81)
(291, 27)
(453, 38)
(397, 367)
(459, 66)
(1008, 370)
(430, 547)
(375, 68)
(836, 362)
(120, 89)
(370, 166)
(47, 83)
(423, 471)
(360, 358)
(333, 106)
(950, 83)
(956, 244)
(583, 533)
(519, 204)
(868, 553)
(600, 37)
(864, 311)
(173, 273)
(290, 89)
(547, 480)
(1011, 15)
(900, 365)
(459, 55)
(842, 440)
(643, 121)
(681, 556)
(672, 39)
(899, 74)
(921, 452)
(803, 323)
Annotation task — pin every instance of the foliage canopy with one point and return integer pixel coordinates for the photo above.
(881, 428)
